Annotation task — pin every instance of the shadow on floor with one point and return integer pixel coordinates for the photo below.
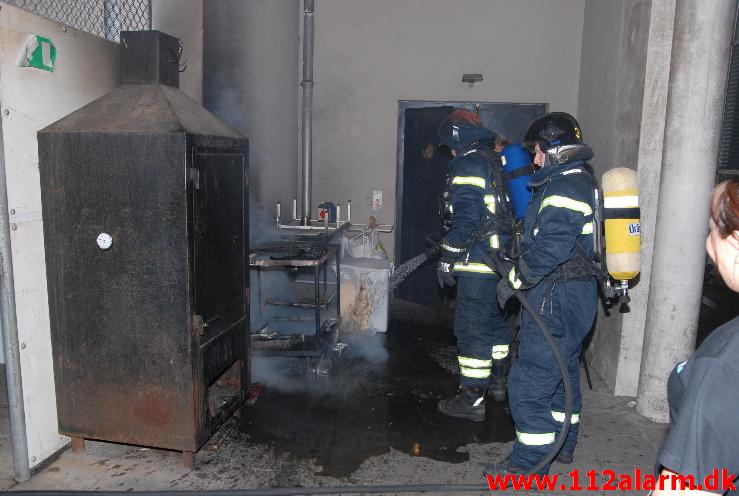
(381, 396)
(371, 420)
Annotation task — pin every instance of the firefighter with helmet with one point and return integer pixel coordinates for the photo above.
(555, 271)
(479, 326)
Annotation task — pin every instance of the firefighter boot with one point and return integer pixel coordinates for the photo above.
(501, 468)
(565, 457)
(497, 388)
(469, 404)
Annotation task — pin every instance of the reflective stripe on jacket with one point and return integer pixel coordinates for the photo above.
(472, 201)
(560, 213)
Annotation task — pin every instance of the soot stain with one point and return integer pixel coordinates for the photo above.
(363, 409)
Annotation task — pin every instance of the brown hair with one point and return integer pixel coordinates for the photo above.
(725, 207)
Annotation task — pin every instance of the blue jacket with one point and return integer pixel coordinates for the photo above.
(472, 201)
(560, 213)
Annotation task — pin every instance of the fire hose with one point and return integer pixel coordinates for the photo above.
(566, 381)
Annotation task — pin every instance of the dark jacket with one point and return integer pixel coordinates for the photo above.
(472, 202)
(560, 213)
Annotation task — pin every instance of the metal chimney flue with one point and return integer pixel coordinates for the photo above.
(150, 57)
(307, 125)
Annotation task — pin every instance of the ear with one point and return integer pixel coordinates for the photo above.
(734, 240)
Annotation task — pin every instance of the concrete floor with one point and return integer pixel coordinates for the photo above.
(373, 422)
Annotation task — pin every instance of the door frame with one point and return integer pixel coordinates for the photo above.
(404, 105)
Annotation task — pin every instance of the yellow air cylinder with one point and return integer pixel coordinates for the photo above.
(622, 224)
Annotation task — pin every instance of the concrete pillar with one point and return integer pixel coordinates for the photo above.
(700, 57)
(650, 149)
(624, 74)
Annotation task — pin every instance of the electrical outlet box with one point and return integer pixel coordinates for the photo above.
(376, 200)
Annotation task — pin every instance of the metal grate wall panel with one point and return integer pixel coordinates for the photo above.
(104, 18)
(728, 157)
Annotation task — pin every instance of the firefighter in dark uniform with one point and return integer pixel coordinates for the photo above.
(479, 326)
(558, 279)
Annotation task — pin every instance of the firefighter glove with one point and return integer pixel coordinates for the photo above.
(444, 273)
(433, 246)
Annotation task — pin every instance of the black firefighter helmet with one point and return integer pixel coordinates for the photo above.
(558, 135)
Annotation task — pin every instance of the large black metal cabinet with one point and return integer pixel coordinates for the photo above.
(141, 330)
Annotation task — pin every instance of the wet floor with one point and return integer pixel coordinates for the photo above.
(372, 421)
(380, 395)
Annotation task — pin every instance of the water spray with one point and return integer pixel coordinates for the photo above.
(402, 271)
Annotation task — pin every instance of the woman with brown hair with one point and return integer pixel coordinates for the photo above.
(703, 392)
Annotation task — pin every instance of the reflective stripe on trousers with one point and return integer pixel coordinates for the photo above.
(500, 351)
(474, 367)
(530, 439)
(560, 417)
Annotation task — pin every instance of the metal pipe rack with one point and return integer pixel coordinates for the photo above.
(314, 294)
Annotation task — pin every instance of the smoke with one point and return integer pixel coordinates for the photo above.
(353, 364)
(262, 222)
(370, 347)
(287, 375)
(224, 100)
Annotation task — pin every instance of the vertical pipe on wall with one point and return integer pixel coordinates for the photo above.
(307, 130)
(700, 58)
(22, 471)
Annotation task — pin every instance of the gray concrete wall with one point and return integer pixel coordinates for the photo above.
(184, 20)
(611, 96)
(369, 55)
(251, 80)
(657, 73)
(614, 50)
(601, 54)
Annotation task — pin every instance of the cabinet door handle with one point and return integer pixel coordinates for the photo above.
(198, 324)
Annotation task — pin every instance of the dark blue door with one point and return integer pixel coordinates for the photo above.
(421, 175)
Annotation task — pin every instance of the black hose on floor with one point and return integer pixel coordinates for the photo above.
(283, 491)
